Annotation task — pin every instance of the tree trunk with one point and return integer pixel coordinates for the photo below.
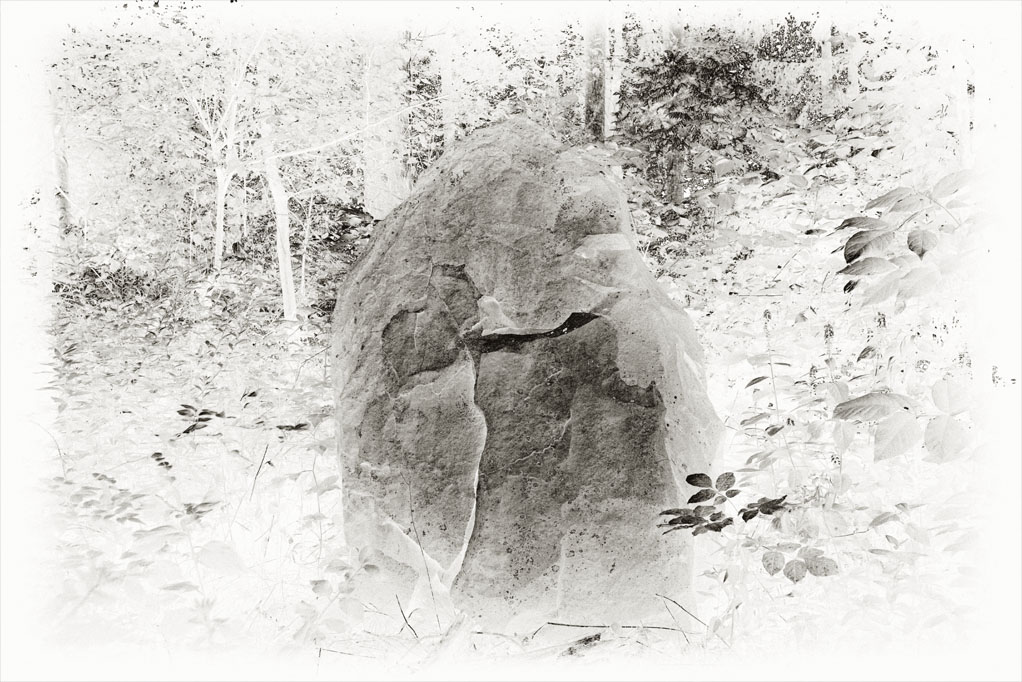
(825, 71)
(611, 71)
(385, 181)
(450, 89)
(962, 106)
(678, 178)
(283, 223)
(307, 237)
(596, 55)
(855, 55)
(223, 181)
(65, 217)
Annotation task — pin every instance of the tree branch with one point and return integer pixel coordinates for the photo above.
(348, 136)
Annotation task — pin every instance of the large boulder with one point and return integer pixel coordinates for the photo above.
(517, 398)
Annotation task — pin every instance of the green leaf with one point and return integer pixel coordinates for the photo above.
(685, 521)
(890, 198)
(699, 480)
(755, 418)
(352, 608)
(773, 562)
(725, 481)
(867, 352)
(913, 202)
(181, 587)
(872, 406)
(863, 222)
(732, 492)
(884, 289)
(868, 266)
(867, 242)
(327, 484)
(221, 557)
(918, 534)
(701, 496)
(755, 381)
(718, 526)
(950, 396)
(950, 184)
(881, 519)
(921, 241)
(768, 506)
(844, 435)
(895, 435)
(836, 390)
(945, 439)
(795, 570)
(919, 281)
(821, 566)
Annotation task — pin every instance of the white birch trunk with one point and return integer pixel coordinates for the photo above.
(223, 182)
(825, 70)
(303, 296)
(451, 88)
(595, 77)
(283, 230)
(386, 183)
(855, 54)
(611, 70)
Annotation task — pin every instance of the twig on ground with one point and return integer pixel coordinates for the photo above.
(623, 627)
(301, 366)
(425, 564)
(696, 618)
(258, 469)
(405, 618)
(671, 614)
(60, 452)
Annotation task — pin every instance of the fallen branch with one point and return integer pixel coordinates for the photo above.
(623, 627)
(402, 611)
(425, 564)
(694, 616)
(356, 133)
(258, 469)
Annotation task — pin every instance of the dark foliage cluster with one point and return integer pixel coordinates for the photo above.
(792, 41)
(706, 516)
(97, 285)
(667, 103)
(425, 140)
(684, 108)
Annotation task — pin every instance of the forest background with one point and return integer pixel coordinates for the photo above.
(27, 308)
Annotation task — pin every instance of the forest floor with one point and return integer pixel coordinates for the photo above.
(199, 501)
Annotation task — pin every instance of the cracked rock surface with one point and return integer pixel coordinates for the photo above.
(517, 399)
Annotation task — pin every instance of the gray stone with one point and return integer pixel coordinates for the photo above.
(517, 398)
